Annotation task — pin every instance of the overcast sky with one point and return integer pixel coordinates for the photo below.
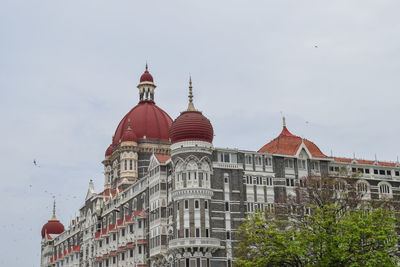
(69, 70)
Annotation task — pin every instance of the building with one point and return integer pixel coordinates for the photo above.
(171, 198)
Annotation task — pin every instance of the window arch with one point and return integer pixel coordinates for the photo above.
(385, 190)
(363, 189)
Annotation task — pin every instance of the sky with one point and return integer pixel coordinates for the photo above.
(69, 71)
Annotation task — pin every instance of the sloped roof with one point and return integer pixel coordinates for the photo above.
(162, 158)
(288, 144)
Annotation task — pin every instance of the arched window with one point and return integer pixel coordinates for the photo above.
(385, 190)
(191, 174)
(363, 189)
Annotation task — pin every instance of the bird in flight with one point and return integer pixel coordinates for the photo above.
(35, 163)
(315, 46)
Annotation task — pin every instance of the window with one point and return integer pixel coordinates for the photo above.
(249, 179)
(139, 224)
(131, 228)
(315, 165)
(122, 256)
(258, 160)
(107, 240)
(397, 173)
(367, 171)
(198, 262)
(268, 181)
(268, 161)
(224, 157)
(100, 243)
(114, 237)
(381, 172)
(249, 159)
(384, 189)
(187, 263)
(228, 235)
(289, 163)
(250, 207)
(375, 171)
(207, 233)
(131, 253)
(197, 232)
(114, 260)
(301, 164)
(186, 204)
(289, 182)
(125, 165)
(140, 249)
(206, 204)
(123, 232)
(196, 204)
(389, 172)
(186, 232)
(226, 206)
(130, 164)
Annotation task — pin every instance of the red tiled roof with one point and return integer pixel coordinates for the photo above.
(142, 241)
(140, 213)
(365, 162)
(128, 219)
(162, 158)
(288, 144)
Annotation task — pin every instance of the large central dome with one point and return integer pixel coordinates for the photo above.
(147, 120)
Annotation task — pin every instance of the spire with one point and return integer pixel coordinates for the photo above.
(54, 218)
(284, 121)
(147, 68)
(191, 105)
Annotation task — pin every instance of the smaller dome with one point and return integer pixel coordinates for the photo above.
(192, 125)
(53, 226)
(146, 76)
(109, 150)
(129, 135)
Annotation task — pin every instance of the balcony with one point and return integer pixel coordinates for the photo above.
(227, 165)
(206, 242)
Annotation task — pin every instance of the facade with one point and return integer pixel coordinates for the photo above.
(171, 198)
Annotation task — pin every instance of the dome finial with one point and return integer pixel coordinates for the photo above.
(147, 67)
(284, 121)
(191, 105)
(54, 218)
(129, 125)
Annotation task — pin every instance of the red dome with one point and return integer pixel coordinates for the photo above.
(147, 120)
(146, 77)
(109, 150)
(191, 125)
(52, 227)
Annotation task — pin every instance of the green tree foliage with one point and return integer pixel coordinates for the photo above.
(336, 233)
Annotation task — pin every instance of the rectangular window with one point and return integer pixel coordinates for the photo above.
(197, 232)
(389, 172)
(131, 228)
(187, 263)
(114, 260)
(206, 204)
(228, 235)
(315, 165)
(140, 249)
(198, 262)
(139, 224)
(186, 232)
(381, 172)
(125, 165)
(131, 253)
(258, 160)
(302, 164)
(130, 164)
(397, 173)
(114, 237)
(107, 240)
(196, 204)
(226, 206)
(268, 162)
(289, 163)
(249, 159)
(290, 182)
(375, 171)
(123, 232)
(123, 256)
(367, 171)
(186, 204)
(207, 233)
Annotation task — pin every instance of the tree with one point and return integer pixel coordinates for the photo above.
(342, 230)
